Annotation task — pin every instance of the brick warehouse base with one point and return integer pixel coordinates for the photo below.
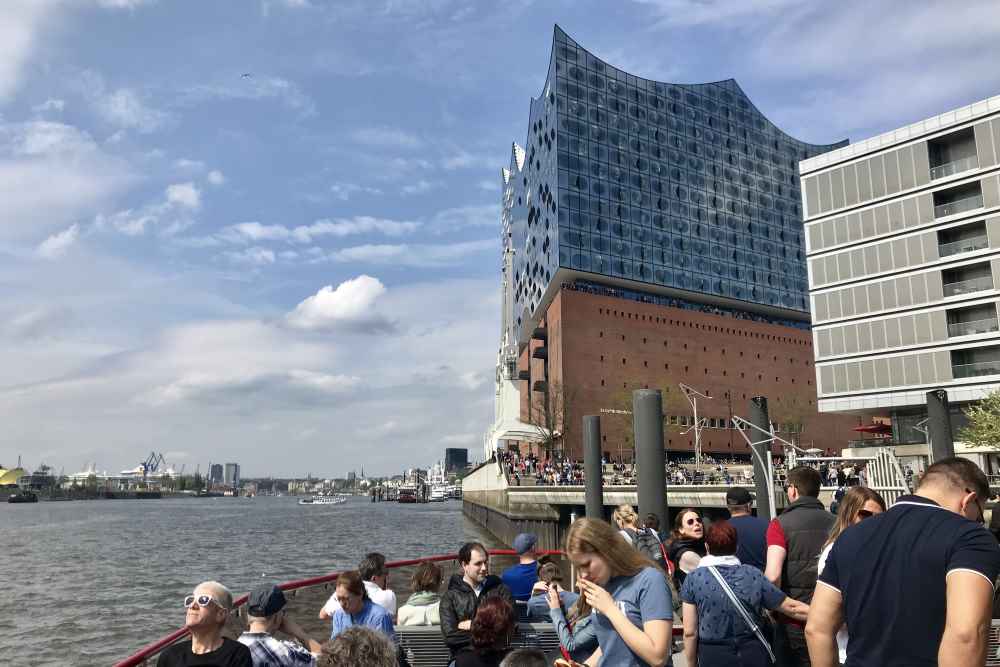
(600, 348)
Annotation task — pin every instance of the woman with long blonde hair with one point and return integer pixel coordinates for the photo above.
(858, 504)
(629, 593)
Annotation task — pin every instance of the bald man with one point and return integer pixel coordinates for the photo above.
(208, 608)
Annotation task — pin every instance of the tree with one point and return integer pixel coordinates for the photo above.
(550, 415)
(983, 429)
(674, 404)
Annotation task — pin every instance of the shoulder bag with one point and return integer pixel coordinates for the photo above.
(747, 616)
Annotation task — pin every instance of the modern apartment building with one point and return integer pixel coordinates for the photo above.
(652, 235)
(903, 240)
(232, 474)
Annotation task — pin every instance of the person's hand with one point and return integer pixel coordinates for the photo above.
(465, 625)
(596, 596)
(552, 597)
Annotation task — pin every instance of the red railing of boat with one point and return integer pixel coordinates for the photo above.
(149, 651)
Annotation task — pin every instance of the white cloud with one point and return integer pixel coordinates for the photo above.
(124, 108)
(344, 191)
(21, 22)
(40, 322)
(50, 105)
(361, 224)
(489, 184)
(59, 244)
(187, 164)
(418, 188)
(123, 4)
(184, 194)
(216, 178)
(466, 160)
(461, 217)
(257, 87)
(386, 137)
(351, 304)
(254, 232)
(415, 255)
(255, 256)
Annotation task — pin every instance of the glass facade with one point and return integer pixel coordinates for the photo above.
(685, 188)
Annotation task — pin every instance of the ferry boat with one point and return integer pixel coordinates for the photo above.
(439, 494)
(407, 494)
(23, 497)
(323, 500)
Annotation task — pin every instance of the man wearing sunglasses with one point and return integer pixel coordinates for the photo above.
(207, 610)
(913, 584)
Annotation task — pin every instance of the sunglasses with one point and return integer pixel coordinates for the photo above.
(692, 522)
(864, 514)
(202, 600)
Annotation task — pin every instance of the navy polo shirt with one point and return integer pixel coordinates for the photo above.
(891, 570)
(751, 544)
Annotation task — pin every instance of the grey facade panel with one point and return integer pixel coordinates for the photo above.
(825, 202)
(925, 208)
(907, 330)
(995, 131)
(899, 259)
(918, 287)
(892, 333)
(911, 370)
(867, 223)
(844, 266)
(837, 182)
(817, 268)
(834, 305)
(853, 376)
(892, 172)
(851, 184)
(826, 385)
(991, 193)
(921, 163)
(874, 297)
(840, 229)
(889, 296)
(812, 196)
(911, 217)
(896, 377)
(823, 343)
(837, 340)
(871, 260)
(914, 250)
(851, 339)
(858, 263)
(839, 378)
(882, 373)
(868, 375)
(942, 361)
(854, 230)
(878, 334)
(821, 310)
(939, 326)
(864, 181)
(995, 271)
(927, 373)
(884, 256)
(993, 232)
(906, 176)
(984, 145)
(814, 234)
(922, 328)
(881, 220)
(877, 167)
(935, 286)
(894, 210)
(930, 247)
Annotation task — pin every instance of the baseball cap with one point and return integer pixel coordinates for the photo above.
(265, 600)
(738, 496)
(524, 542)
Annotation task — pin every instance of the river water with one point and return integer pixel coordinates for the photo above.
(89, 582)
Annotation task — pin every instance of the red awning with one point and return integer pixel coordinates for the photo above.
(880, 429)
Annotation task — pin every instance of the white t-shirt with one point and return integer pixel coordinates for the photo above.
(842, 633)
(383, 598)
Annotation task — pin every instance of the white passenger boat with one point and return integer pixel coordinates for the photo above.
(323, 500)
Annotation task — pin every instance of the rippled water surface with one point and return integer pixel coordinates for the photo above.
(89, 582)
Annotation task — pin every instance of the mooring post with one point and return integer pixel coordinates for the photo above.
(593, 470)
(761, 455)
(940, 442)
(651, 458)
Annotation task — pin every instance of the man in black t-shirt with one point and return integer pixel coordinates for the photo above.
(207, 609)
(915, 583)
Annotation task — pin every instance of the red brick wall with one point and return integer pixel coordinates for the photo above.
(602, 348)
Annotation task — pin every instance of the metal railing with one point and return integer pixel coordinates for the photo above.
(965, 245)
(968, 286)
(955, 167)
(971, 327)
(976, 369)
(958, 206)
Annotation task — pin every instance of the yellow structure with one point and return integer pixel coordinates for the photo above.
(10, 477)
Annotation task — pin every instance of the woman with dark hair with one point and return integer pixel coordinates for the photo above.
(423, 607)
(492, 629)
(857, 504)
(357, 609)
(687, 544)
(723, 604)
(627, 591)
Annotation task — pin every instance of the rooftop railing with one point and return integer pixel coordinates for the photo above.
(968, 286)
(958, 206)
(964, 245)
(976, 369)
(972, 327)
(954, 167)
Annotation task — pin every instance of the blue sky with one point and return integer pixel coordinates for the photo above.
(298, 269)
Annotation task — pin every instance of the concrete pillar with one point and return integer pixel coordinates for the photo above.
(761, 455)
(651, 458)
(939, 425)
(593, 471)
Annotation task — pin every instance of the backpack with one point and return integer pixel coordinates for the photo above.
(646, 543)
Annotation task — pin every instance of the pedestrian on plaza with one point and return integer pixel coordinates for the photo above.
(376, 580)
(465, 593)
(521, 578)
(492, 629)
(858, 503)
(794, 542)
(549, 579)
(423, 607)
(723, 606)
(358, 645)
(208, 607)
(627, 520)
(267, 615)
(356, 608)
(915, 583)
(751, 547)
(630, 595)
(687, 544)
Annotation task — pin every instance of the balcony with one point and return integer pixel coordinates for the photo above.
(959, 206)
(975, 369)
(987, 325)
(540, 353)
(965, 245)
(540, 333)
(524, 375)
(968, 286)
(955, 167)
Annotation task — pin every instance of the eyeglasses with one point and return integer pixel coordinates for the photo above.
(692, 522)
(202, 600)
(864, 514)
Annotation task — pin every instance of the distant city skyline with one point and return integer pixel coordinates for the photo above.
(299, 270)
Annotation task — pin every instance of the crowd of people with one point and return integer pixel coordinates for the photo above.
(910, 584)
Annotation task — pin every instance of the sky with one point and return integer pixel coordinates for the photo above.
(267, 231)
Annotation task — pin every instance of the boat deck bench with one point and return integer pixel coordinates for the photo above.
(423, 645)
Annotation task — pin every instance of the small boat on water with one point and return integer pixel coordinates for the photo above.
(439, 494)
(323, 500)
(23, 497)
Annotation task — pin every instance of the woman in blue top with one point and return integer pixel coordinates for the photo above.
(629, 595)
(357, 609)
(715, 632)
